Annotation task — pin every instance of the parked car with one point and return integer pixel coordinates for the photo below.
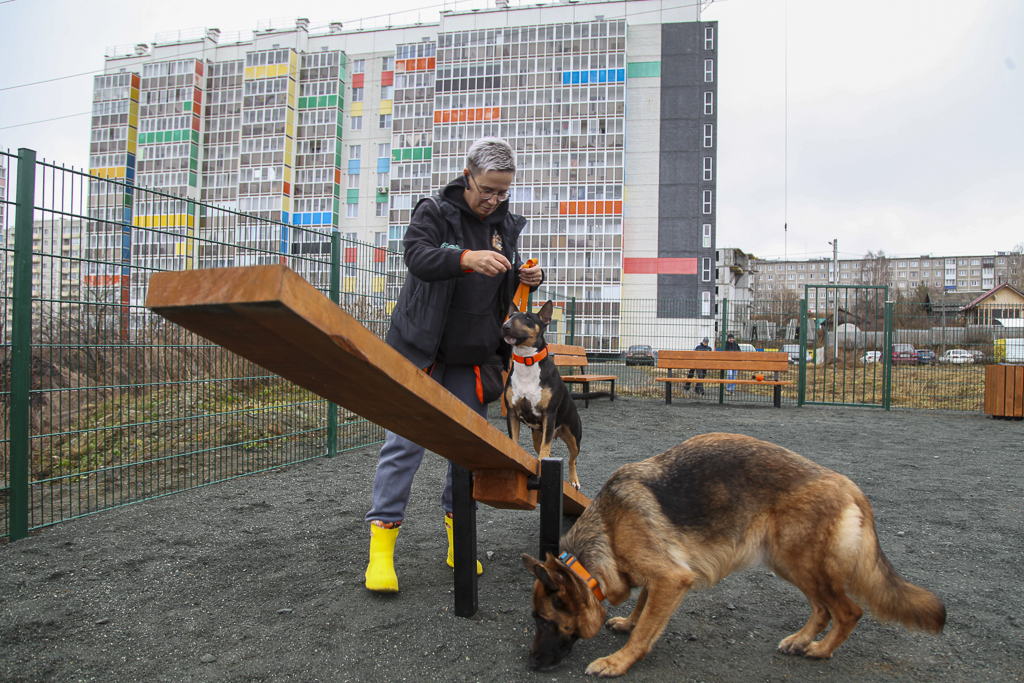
(747, 347)
(957, 357)
(979, 356)
(871, 357)
(904, 354)
(640, 354)
(794, 351)
(926, 357)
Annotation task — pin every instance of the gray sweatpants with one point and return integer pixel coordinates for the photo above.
(400, 458)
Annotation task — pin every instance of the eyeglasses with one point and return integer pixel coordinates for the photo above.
(502, 196)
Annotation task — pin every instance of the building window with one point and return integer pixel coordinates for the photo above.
(382, 209)
(709, 70)
(356, 123)
(354, 151)
(353, 180)
(707, 235)
(706, 201)
(709, 103)
(353, 211)
(705, 269)
(385, 120)
(358, 66)
(709, 134)
(705, 303)
(387, 92)
(709, 37)
(707, 168)
(384, 150)
(382, 179)
(357, 94)
(387, 63)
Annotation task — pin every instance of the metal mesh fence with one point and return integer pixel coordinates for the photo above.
(122, 406)
(104, 404)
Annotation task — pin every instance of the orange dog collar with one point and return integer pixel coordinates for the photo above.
(591, 582)
(530, 360)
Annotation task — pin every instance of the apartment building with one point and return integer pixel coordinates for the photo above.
(968, 275)
(611, 107)
(56, 267)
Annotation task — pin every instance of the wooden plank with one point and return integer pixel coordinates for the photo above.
(716, 364)
(588, 378)
(567, 349)
(569, 361)
(274, 318)
(728, 355)
(723, 380)
(1018, 391)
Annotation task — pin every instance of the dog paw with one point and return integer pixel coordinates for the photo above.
(575, 485)
(817, 651)
(790, 646)
(619, 625)
(607, 667)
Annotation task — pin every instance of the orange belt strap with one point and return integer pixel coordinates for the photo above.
(523, 292)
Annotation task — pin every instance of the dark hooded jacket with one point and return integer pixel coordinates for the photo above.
(443, 312)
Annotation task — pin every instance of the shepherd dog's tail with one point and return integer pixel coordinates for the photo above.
(890, 596)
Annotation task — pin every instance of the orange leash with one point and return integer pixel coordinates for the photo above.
(523, 292)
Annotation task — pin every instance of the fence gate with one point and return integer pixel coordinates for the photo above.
(846, 346)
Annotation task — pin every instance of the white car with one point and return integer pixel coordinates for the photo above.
(871, 357)
(747, 347)
(956, 356)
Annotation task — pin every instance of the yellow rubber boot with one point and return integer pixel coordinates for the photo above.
(380, 573)
(451, 547)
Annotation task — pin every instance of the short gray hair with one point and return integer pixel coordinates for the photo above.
(491, 154)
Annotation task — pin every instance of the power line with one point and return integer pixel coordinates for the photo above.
(48, 80)
(55, 118)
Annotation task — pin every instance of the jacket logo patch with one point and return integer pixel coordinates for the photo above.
(445, 245)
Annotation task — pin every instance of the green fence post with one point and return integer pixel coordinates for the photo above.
(335, 293)
(721, 373)
(802, 381)
(890, 316)
(21, 345)
(572, 322)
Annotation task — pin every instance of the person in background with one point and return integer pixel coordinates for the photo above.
(464, 268)
(730, 345)
(698, 388)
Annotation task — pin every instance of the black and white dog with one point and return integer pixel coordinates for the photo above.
(535, 394)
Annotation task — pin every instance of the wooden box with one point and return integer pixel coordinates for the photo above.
(1004, 391)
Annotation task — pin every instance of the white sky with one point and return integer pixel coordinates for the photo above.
(899, 124)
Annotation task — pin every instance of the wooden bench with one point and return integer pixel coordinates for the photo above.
(576, 357)
(744, 362)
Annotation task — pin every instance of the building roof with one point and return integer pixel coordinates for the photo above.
(991, 292)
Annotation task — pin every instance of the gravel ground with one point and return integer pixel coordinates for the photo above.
(260, 578)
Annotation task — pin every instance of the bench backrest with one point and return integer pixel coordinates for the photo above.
(566, 355)
(765, 361)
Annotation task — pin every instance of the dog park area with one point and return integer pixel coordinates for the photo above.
(261, 578)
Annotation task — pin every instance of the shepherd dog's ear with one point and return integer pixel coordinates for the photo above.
(540, 573)
(512, 310)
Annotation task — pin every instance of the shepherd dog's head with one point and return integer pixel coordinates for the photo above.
(527, 329)
(564, 609)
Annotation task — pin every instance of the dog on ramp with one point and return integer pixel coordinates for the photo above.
(535, 394)
(694, 514)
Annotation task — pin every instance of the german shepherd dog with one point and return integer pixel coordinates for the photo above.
(692, 515)
(535, 394)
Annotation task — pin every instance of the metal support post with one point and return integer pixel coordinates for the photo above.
(21, 345)
(464, 541)
(550, 506)
(335, 292)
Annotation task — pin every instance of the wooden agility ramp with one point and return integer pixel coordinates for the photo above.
(272, 317)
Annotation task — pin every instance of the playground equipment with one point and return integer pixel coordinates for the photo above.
(272, 317)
